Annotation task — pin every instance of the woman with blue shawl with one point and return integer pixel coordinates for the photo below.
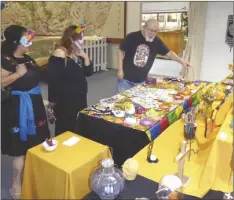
(24, 121)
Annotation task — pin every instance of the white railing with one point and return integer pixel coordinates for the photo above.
(96, 48)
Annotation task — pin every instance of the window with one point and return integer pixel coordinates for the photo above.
(172, 17)
(167, 21)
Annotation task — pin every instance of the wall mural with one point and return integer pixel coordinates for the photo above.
(50, 18)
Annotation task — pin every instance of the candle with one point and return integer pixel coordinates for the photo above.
(153, 158)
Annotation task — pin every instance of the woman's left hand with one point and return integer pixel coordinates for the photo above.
(81, 53)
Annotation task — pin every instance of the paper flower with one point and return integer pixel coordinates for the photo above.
(78, 29)
(81, 27)
(30, 36)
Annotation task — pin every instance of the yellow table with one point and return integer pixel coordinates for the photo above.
(217, 172)
(63, 173)
(166, 148)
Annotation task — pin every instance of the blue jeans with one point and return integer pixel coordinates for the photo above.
(124, 84)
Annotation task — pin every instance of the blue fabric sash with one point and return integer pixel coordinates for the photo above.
(26, 116)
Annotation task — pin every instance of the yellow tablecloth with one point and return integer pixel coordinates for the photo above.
(166, 148)
(217, 172)
(63, 173)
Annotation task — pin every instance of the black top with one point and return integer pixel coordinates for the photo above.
(30, 79)
(140, 55)
(67, 81)
(10, 139)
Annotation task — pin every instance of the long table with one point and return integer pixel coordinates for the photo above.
(126, 140)
(209, 169)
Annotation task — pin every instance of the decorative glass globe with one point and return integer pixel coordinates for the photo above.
(227, 196)
(168, 186)
(108, 181)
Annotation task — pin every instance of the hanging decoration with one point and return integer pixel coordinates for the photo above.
(229, 32)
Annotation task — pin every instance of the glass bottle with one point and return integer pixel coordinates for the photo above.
(108, 181)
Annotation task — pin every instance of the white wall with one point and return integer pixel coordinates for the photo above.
(216, 53)
(163, 6)
(133, 16)
(133, 24)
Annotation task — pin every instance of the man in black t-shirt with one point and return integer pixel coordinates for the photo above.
(137, 54)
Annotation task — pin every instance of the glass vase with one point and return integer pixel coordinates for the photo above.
(108, 181)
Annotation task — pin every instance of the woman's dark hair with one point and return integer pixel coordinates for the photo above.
(12, 34)
(69, 35)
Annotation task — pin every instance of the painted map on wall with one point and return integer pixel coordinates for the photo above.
(51, 18)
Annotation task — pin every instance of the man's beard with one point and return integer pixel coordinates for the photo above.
(149, 39)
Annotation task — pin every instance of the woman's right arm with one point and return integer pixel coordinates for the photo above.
(9, 77)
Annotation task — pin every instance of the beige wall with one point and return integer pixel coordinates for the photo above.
(133, 24)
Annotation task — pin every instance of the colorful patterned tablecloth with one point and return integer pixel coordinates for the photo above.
(150, 97)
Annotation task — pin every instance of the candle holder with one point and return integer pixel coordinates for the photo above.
(151, 158)
(180, 159)
(190, 128)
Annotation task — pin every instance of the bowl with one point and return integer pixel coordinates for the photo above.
(178, 97)
(147, 121)
(150, 81)
(118, 113)
(50, 148)
(196, 82)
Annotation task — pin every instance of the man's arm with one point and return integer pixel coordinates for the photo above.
(123, 47)
(121, 55)
(173, 56)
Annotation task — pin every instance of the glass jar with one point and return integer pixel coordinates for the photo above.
(168, 187)
(108, 181)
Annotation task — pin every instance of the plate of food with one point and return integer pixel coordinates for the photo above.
(178, 97)
(50, 144)
(171, 91)
(164, 107)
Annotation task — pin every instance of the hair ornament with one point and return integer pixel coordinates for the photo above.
(81, 27)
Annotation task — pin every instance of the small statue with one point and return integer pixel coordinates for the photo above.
(130, 169)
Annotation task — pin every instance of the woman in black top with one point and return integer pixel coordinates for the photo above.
(67, 85)
(24, 120)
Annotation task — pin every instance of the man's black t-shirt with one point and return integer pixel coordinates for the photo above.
(140, 55)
